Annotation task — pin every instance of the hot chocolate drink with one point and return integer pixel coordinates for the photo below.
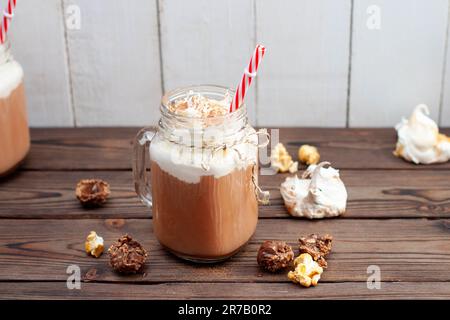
(14, 133)
(203, 164)
(210, 219)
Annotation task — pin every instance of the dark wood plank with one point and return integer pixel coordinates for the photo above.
(353, 148)
(80, 148)
(407, 250)
(372, 194)
(382, 194)
(51, 194)
(35, 253)
(186, 291)
(110, 148)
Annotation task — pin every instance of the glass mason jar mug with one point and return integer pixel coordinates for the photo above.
(14, 132)
(203, 188)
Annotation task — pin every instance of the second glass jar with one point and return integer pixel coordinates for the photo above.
(14, 132)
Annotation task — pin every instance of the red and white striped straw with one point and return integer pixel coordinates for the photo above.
(246, 80)
(8, 14)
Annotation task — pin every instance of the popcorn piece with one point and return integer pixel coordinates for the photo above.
(293, 167)
(308, 154)
(307, 271)
(127, 255)
(275, 255)
(319, 194)
(317, 246)
(281, 161)
(92, 192)
(94, 244)
(419, 140)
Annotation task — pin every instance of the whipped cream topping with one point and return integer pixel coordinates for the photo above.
(11, 73)
(195, 105)
(189, 165)
(419, 140)
(188, 156)
(319, 193)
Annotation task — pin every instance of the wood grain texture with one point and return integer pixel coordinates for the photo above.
(371, 194)
(206, 42)
(400, 65)
(115, 63)
(403, 249)
(110, 148)
(86, 149)
(39, 46)
(187, 291)
(303, 81)
(397, 219)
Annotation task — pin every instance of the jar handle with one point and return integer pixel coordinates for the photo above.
(263, 196)
(142, 184)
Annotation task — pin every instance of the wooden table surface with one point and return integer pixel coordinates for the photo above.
(397, 219)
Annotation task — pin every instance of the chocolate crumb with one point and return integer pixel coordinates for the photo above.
(91, 275)
(275, 255)
(127, 255)
(317, 246)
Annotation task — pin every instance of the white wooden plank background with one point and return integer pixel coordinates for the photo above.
(304, 77)
(207, 41)
(114, 63)
(109, 72)
(40, 47)
(398, 66)
(445, 104)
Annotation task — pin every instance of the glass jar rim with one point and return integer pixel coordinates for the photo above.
(232, 124)
(182, 91)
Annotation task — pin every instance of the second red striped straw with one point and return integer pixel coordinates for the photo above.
(246, 80)
(8, 14)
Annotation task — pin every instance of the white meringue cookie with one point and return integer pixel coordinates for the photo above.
(419, 140)
(319, 194)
